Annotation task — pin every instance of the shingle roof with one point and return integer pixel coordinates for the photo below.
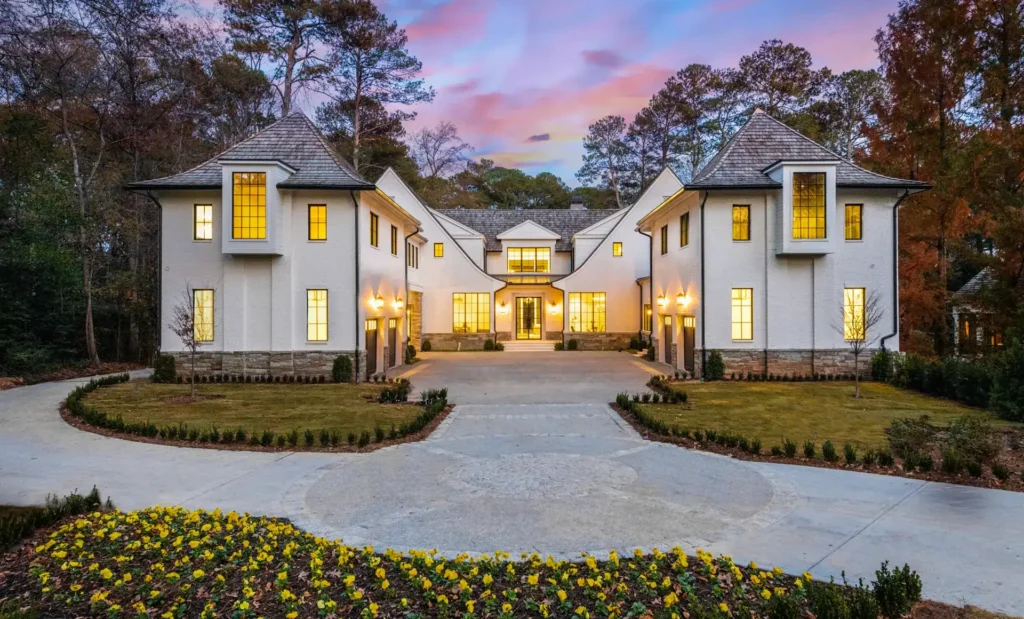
(294, 141)
(976, 284)
(763, 142)
(492, 222)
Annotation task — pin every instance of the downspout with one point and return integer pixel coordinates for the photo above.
(414, 233)
(765, 283)
(703, 299)
(895, 268)
(813, 318)
(650, 291)
(355, 361)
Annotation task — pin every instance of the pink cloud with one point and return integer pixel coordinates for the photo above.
(603, 58)
(451, 20)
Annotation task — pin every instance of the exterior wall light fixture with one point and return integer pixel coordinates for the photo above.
(377, 302)
(682, 300)
(662, 300)
(398, 304)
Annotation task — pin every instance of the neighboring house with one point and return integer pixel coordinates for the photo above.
(773, 244)
(973, 330)
(289, 258)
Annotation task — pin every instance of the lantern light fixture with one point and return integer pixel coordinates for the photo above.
(662, 300)
(398, 303)
(377, 302)
(682, 300)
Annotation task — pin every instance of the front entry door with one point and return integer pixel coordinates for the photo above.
(371, 347)
(392, 341)
(667, 337)
(689, 322)
(528, 315)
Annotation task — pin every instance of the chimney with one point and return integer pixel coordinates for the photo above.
(576, 204)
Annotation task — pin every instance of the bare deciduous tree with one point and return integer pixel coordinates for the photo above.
(438, 150)
(859, 314)
(183, 324)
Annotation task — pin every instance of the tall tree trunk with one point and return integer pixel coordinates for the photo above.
(289, 72)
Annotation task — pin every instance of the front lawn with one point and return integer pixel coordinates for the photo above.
(278, 408)
(807, 411)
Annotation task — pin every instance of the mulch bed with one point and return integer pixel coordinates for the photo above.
(1015, 483)
(301, 447)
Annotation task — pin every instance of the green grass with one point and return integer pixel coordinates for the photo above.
(255, 407)
(808, 411)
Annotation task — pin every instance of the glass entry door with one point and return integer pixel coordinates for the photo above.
(528, 315)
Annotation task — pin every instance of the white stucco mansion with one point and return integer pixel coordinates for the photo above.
(290, 258)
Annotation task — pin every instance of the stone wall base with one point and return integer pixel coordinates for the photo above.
(263, 363)
(791, 362)
(599, 341)
(457, 341)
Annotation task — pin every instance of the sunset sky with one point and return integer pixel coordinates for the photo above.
(522, 79)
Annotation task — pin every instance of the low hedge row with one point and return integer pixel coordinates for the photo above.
(433, 402)
(16, 527)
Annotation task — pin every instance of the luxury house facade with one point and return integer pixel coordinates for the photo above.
(288, 258)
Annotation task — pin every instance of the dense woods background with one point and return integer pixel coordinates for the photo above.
(97, 93)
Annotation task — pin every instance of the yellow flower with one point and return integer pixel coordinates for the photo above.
(506, 608)
(106, 574)
(723, 607)
(244, 606)
(384, 584)
(799, 584)
(766, 594)
(198, 574)
(561, 595)
(469, 606)
(292, 615)
(488, 580)
(670, 599)
(753, 565)
(374, 608)
(807, 576)
(76, 588)
(533, 579)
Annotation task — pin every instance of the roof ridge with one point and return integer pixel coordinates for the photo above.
(721, 154)
(336, 156)
(827, 149)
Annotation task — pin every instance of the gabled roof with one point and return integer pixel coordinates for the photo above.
(293, 141)
(763, 142)
(528, 229)
(492, 222)
(975, 285)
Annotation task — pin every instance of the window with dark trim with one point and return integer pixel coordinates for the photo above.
(741, 222)
(617, 249)
(743, 314)
(471, 312)
(854, 222)
(202, 222)
(684, 229)
(316, 315)
(317, 222)
(808, 205)
(202, 314)
(248, 205)
(646, 325)
(664, 239)
(529, 260)
(439, 250)
(394, 241)
(374, 224)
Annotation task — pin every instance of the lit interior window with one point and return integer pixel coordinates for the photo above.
(808, 205)
(316, 315)
(742, 313)
(249, 205)
(587, 312)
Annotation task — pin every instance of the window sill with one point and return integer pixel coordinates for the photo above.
(741, 240)
(202, 240)
(854, 240)
(316, 240)
(317, 342)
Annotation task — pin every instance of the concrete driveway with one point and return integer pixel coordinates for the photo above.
(533, 459)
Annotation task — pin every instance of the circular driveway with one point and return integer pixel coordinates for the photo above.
(532, 458)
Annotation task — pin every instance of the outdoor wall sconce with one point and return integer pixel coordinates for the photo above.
(682, 300)
(502, 308)
(398, 303)
(553, 307)
(377, 302)
(662, 300)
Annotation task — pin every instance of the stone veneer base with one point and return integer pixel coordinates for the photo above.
(790, 362)
(599, 341)
(263, 363)
(457, 341)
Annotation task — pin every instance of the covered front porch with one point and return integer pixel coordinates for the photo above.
(528, 309)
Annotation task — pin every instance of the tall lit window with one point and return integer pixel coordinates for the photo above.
(854, 326)
(202, 314)
(202, 222)
(412, 255)
(249, 205)
(664, 239)
(808, 205)
(617, 249)
(854, 219)
(646, 323)
(439, 250)
(684, 229)
(742, 313)
(741, 222)
(471, 312)
(394, 241)
(316, 315)
(587, 312)
(374, 224)
(529, 259)
(318, 222)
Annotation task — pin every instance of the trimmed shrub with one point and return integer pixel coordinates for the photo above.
(869, 458)
(715, 369)
(789, 447)
(425, 347)
(885, 459)
(783, 607)
(559, 346)
(572, 344)
(881, 366)
(755, 446)
(974, 468)
(897, 591)
(910, 436)
(972, 437)
(489, 344)
(849, 453)
(410, 353)
(828, 451)
(808, 449)
(1000, 472)
(164, 370)
(364, 438)
(341, 371)
(827, 601)
(776, 450)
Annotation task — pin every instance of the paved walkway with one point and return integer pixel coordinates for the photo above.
(533, 459)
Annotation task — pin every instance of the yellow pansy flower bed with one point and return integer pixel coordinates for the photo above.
(171, 562)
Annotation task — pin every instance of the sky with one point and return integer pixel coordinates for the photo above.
(523, 79)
